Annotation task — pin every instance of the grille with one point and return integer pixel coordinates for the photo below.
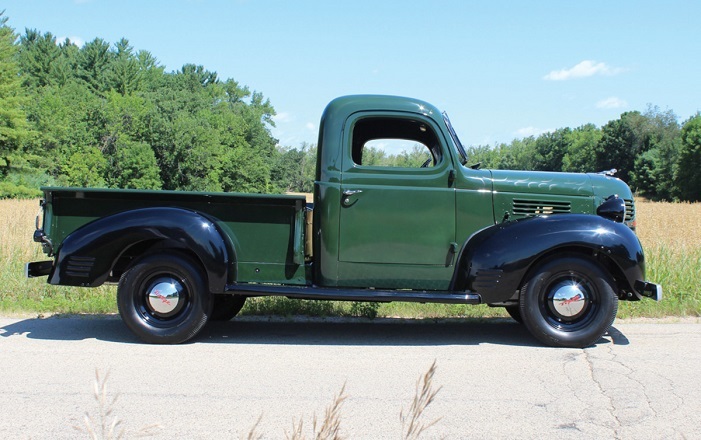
(528, 208)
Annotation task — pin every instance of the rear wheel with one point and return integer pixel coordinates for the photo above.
(164, 299)
(226, 307)
(568, 302)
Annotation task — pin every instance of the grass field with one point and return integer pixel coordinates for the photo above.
(670, 233)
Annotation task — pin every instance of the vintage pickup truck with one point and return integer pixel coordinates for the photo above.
(557, 250)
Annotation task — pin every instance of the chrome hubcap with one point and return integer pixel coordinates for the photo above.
(568, 299)
(164, 295)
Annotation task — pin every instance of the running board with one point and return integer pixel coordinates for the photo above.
(349, 294)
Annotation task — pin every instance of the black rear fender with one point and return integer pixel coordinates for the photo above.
(494, 262)
(89, 255)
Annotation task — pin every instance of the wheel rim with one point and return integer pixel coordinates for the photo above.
(165, 298)
(569, 302)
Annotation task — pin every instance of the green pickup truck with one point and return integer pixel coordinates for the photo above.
(557, 250)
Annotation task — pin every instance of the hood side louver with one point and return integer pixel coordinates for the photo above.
(527, 208)
(630, 210)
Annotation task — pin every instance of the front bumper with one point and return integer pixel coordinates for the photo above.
(648, 290)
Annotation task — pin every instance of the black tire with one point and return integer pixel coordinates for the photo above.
(515, 313)
(226, 307)
(568, 302)
(164, 299)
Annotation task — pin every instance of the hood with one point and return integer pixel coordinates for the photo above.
(518, 194)
(538, 182)
(561, 184)
(604, 186)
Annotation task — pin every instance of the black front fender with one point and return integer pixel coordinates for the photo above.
(494, 261)
(87, 255)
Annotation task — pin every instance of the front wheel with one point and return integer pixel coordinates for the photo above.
(164, 299)
(568, 302)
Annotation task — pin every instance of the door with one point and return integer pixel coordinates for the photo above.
(397, 218)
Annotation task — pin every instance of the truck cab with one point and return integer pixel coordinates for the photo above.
(557, 250)
(387, 222)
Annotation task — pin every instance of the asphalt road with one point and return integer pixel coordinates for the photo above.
(639, 382)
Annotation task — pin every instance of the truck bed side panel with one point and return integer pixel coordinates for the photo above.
(262, 226)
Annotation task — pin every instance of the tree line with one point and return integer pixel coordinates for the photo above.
(656, 155)
(105, 115)
(651, 151)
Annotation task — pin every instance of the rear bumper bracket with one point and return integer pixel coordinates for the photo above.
(38, 268)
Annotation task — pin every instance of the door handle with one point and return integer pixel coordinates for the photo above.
(345, 200)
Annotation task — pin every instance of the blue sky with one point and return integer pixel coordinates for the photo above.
(502, 69)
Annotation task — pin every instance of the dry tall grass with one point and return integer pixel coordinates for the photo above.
(413, 425)
(329, 428)
(671, 236)
(676, 226)
(16, 229)
(16, 245)
(106, 425)
(19, 294)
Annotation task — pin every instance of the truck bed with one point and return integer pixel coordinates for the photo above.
(267, 230)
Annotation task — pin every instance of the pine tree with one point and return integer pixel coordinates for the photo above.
(13, 121)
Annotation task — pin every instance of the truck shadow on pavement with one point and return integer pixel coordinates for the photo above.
(293, 331)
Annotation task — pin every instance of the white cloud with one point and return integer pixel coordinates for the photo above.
(283, 117)
(582, 70)
(612, 102)
(531, 131)
(75, 40)
(311, 126)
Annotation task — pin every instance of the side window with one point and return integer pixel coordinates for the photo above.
(395, 142)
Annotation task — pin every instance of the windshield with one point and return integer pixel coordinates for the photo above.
(456, 141)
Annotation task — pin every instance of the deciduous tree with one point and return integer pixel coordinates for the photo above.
(688, 177)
